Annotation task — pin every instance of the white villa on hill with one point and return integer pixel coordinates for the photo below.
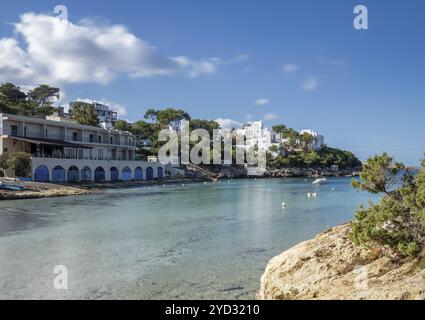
(264, 138)
(257, 134)
(319, 140)
(65, 151)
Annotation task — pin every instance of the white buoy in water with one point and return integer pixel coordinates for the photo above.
(333, 189)
(283, 204)
(314, 194)
(309, 195)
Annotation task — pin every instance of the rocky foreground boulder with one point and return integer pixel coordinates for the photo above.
(330, 266)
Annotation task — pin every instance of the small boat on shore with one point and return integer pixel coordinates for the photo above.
(10, 187)
(320, 181)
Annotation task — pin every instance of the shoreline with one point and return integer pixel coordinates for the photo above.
(37, 190)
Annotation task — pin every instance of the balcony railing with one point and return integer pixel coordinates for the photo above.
(13, 133)
(103, 141)
(71, 158)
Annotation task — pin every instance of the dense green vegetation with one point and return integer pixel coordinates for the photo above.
(147, 130)
(84, 113)
(297, 151)
(397, 222)
(37, 102)
(20, 162)
(322, 158)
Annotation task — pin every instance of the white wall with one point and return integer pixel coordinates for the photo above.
(51, 163)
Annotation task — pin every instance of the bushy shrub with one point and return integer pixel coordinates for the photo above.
(20, 162)
(397, 221)
(322, 158)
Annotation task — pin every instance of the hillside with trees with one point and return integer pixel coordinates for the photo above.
(297, 151)
(37, 102)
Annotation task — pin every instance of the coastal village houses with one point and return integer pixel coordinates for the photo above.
(258, 135)
(64, 151)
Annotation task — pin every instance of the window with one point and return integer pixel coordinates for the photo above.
(25, 131)
(70, 153)
(91, 138)
(14, 131)
(100, 139)
(80, 154)
(74, 136)
(100, 154)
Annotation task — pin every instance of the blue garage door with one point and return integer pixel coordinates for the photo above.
(58, 174)
(73, 174)
(114, 174)
(138, 174)
(41, 174)
(160, 172)
(149, 173)
(99, 174)
(126, 174)
(86, 174)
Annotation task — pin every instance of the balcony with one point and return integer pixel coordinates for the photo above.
(95, 140)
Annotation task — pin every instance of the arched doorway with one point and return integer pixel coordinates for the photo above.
(73, 174)
(138, 173)
(99, 174)
(41, 174)
(160, 172)
(114, 174)
(126, 174)
(149, 173)
(86, 174)
(58, 174)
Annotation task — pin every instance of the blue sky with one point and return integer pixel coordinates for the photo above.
(364, 90)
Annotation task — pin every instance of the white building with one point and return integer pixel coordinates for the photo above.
(264, 138)
(256, 134)
(319, 140)
(64, 151)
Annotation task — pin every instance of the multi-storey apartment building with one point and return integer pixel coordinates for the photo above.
(65, 151)
(257, 135)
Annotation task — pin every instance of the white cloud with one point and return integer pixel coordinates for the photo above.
(289, 68)
(62, 101)
(270, 117)
(310, 84)
(248, 117)
(228, 123)
(197, 68)
(56, 52)
(262, 102)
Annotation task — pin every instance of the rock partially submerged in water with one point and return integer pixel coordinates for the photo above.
(330, 266)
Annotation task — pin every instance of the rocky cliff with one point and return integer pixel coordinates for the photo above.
(330, 266)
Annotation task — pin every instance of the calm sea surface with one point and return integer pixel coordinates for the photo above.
(195, 241)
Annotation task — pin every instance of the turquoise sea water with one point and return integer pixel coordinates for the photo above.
(195, 241)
